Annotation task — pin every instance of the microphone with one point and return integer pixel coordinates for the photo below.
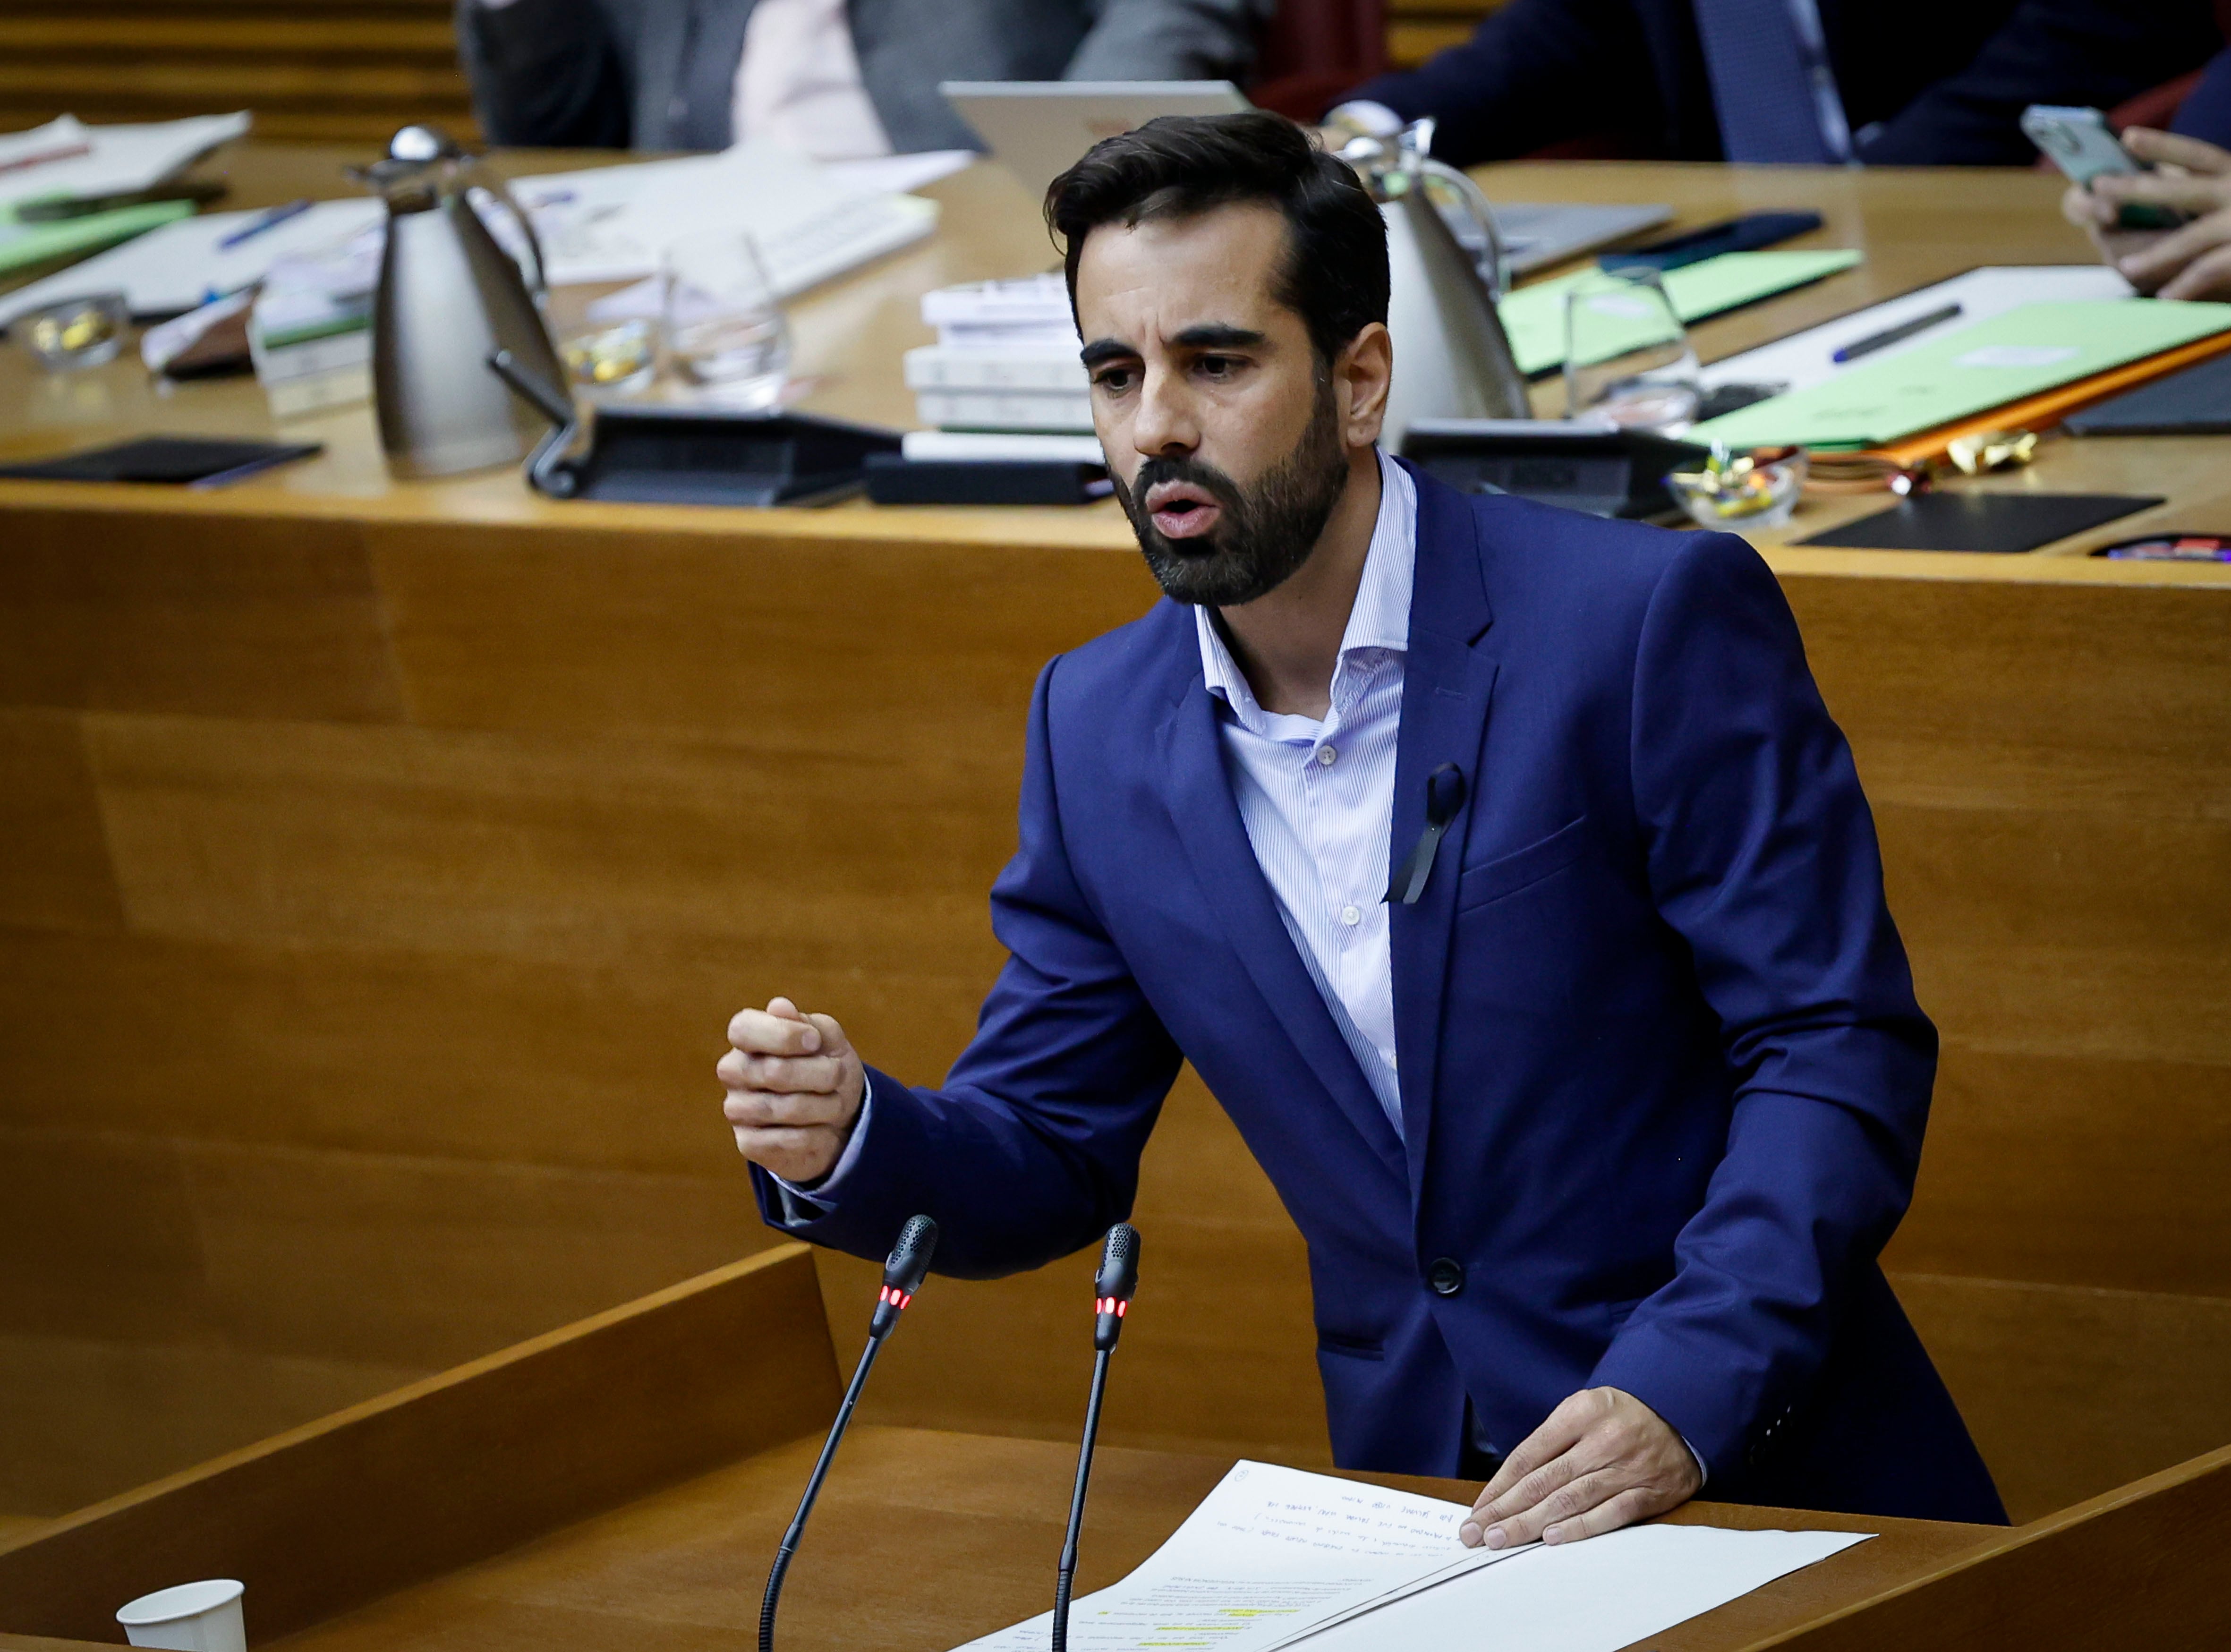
(902, 1276)
(1111, 1301)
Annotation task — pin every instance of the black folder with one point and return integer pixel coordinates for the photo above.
(2196, 402)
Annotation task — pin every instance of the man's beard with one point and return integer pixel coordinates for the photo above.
(1266, 531)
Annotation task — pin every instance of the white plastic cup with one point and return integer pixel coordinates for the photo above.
(191, 1617)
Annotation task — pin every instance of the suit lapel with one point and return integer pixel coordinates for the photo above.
(1448, 680)
(1208, 824)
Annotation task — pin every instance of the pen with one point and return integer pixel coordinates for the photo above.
(257, 226)
(1897, 335)
(40, 158)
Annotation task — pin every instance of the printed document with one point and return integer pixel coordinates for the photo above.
(1275, 1557)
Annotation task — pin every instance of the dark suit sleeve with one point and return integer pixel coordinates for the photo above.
(1030, 1149)
(2206, 113)
(1169, 40)
(1762, 854)
(2089, 52)
(544, 74)
(1535, 72)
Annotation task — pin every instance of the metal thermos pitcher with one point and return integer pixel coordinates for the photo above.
(450, 296)
(1451, 357)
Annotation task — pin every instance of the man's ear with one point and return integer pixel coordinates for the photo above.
(1362, 373)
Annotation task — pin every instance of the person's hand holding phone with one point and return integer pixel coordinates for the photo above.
(2189, 177)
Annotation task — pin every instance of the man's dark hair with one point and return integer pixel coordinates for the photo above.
(1335, 273)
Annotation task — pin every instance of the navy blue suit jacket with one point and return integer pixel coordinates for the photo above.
(1663, 1077)
(2206, 113)
(1943, 82)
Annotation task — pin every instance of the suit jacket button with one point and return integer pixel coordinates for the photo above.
(1445, 1276)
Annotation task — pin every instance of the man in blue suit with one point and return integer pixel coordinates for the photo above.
(1885, 82)
(1498, 868)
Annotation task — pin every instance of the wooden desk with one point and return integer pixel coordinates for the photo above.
(1915, 227)
(384, 860)
(626, 1480)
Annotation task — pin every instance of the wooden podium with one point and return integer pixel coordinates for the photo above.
(622, 1482)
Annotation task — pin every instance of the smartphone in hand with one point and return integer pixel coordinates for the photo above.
(2081, 144)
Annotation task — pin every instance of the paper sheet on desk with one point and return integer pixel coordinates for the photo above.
(612, 223)
(119, 159)
(1276, 1559)
(1595, 1596)
(177, 268)
(1270, 1553)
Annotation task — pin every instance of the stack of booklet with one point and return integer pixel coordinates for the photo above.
(1274, 1558)
(1004, 359)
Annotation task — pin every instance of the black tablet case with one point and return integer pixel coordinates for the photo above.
(2196, 402)
(174, 459)
(1981, 522)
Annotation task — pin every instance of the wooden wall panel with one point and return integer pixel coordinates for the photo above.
(1219, 1353)
(861, 647)
(2079, 1170)
(719, 1368)
(82, 1418)
(304, 834)
(274, 618)
(413, 1053)
(2071, 1392)
(373, 1257)
(54, 873)
(342, 69)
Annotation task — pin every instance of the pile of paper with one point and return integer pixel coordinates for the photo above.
(1004, 359)
(807, 221)
(106, 170)
(182, 266)
(1274, 1556)
(310, 334)
(68, 159)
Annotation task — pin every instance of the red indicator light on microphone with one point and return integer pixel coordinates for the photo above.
(895, 1297)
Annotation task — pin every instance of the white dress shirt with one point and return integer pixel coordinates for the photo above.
(799, 83)
(1317, 797)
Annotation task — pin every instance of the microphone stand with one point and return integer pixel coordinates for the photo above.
(1113, 1290)
(1067, 1573)
(902, 1276)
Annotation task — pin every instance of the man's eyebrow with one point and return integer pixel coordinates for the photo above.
(1101, 350)
(1218, 335)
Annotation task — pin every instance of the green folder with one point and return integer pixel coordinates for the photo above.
(24, 244)
(1966, 370)
(1535, 316)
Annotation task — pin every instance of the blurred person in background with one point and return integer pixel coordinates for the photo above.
(833, 78)
(2192, 174)
(1820, 82)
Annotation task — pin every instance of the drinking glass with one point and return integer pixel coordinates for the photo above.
(1628, 358)
(722, 321)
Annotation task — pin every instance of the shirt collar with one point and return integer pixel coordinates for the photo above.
(1379, 619)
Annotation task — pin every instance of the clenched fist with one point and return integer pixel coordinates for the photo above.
(794, 1088)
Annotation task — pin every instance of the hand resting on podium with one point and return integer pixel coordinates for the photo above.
(794, 1084)
(1601, 1460)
